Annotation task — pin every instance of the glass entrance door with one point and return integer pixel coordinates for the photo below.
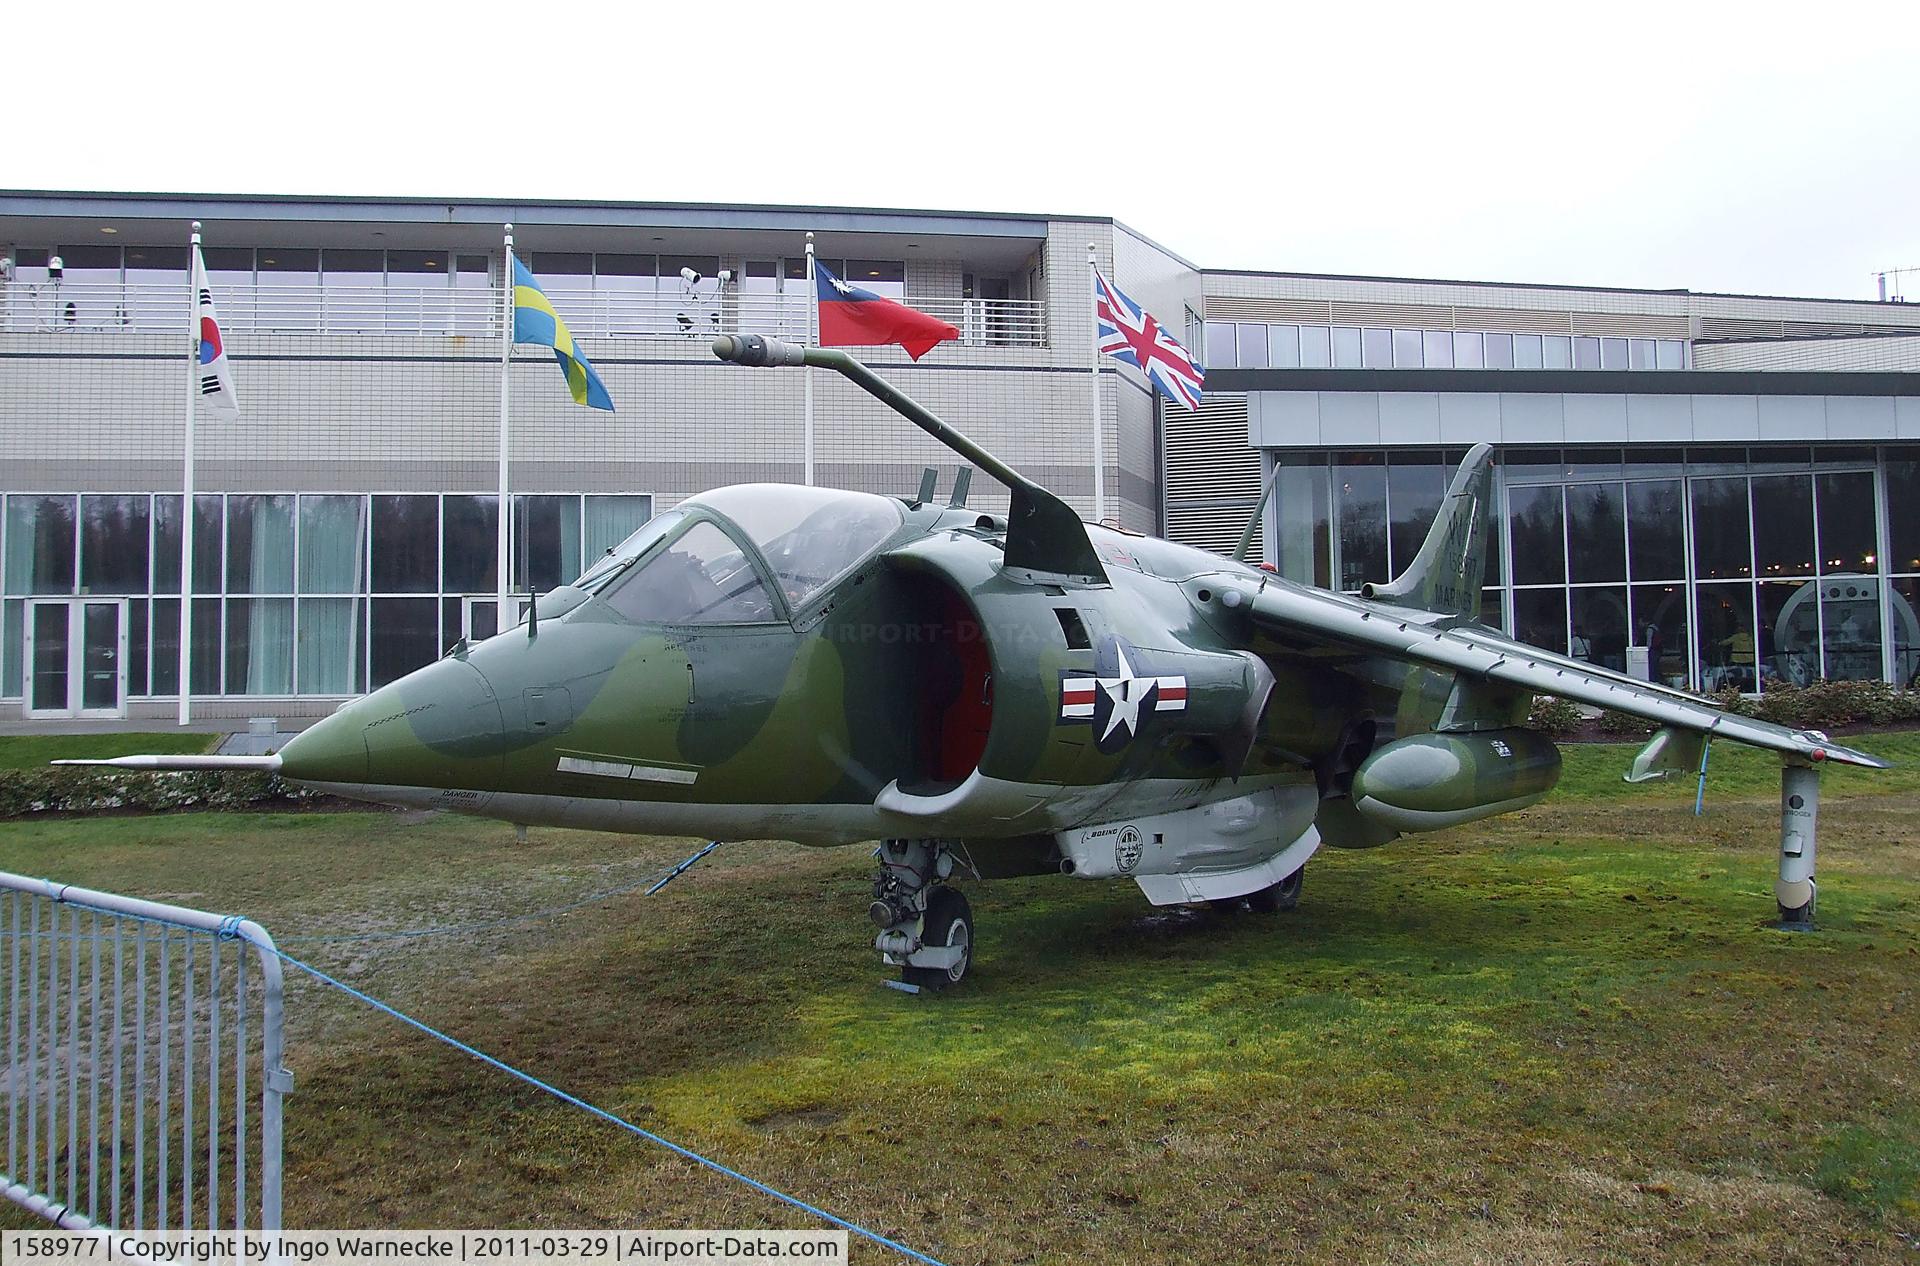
(76, 656)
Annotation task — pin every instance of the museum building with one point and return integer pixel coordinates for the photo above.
(1709, 490)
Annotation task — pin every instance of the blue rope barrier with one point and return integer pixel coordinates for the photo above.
(682, 868)
(592, 1109)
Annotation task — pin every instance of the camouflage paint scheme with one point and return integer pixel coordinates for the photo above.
(1002, 683)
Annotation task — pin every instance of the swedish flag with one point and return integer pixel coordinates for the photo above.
(535, 321)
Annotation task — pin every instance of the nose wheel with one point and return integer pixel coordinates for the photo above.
(926, 925)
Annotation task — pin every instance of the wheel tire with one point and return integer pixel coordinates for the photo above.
(949, 921)
(1284, 895)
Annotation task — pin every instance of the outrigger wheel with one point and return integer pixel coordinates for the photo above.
(948, 925)
(1284, 895)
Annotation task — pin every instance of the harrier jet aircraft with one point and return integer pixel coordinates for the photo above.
(992, 696)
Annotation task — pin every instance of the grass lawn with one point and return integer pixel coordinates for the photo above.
(1565, 1035)
(33, 751)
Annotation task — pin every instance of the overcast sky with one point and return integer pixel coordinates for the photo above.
(1715, 147)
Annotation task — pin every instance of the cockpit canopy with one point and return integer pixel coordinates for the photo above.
(688, 566)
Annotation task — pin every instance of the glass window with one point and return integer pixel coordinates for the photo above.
(1407, 353)
(289, 294)
(39, 544)
(1416, 484)
(406, 631)
(1596, 533)
(166, 646)
(204, 669)
(260, 546)
(329, 651)
(1656, 534)
(1600, 626)
(1905, 602)
(1722, 546)
(1252, 340)
(1220, 345)
(1780, 457)
(1540, 618)
(1591, 463)
(1556, 351)
(137, 647)
(209, 542)
(1640, 353)
(166, 545)
(1783, 525)
(1846, 522)
(1283, 346)
(260, 646)
(567, 264)
(1376, 349)
(1728, 655)
(1656, 461)
(546, 541)
(631, 547)
(333, 545)
(1301, 526)
(1660, 625)
(1670, 353)
(156, 279)
(113, 544)
(1539, 541)
(1613, 353)
(1499, 351)
(1437, 349)
(1789, 638)
(1316, 351)
(1360, 500)
(704, 577)
(611, 520)
(405, 548)
(1586, 352)
(808, 536)
(417, 268)
(1850, 614)
(1346, 348)
(472, 544)
(1903, 515)
(1526, 351)
(12, 646)
(1469, 350)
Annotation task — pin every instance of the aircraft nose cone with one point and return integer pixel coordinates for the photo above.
(439, 726)
(330, 750)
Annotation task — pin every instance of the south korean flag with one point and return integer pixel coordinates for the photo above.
(212, 376)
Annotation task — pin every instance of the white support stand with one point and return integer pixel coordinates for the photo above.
(1795, 891)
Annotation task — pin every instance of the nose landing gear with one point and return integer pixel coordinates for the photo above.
(926, 926)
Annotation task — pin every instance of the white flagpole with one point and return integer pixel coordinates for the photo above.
(1099, 462)
(503, 620)
(186, 480)
(813, 340)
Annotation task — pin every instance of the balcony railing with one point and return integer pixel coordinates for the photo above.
(57, 307)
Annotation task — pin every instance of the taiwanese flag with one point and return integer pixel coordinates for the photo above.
(852, 317)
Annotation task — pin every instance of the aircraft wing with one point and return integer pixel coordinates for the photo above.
(1298, 615)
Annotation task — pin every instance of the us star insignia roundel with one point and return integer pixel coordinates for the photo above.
(1113, 697)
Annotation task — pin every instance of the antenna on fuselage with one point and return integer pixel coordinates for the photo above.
(961, 482)
(929, 482)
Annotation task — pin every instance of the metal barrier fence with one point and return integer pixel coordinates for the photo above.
(134, 307)
(130, 1027)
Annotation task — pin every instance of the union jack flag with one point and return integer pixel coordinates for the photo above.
(1128, 333)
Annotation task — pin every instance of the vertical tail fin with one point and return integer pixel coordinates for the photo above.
(1446, 574)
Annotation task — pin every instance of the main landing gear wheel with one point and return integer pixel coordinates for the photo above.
(949, 925)
(1284, 895)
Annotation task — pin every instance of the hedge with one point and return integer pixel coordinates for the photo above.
(70, 789)
(1824, 705)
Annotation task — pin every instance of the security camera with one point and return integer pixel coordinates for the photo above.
(689, 276)
(725, 276)
(6, 268)
(56, 268)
